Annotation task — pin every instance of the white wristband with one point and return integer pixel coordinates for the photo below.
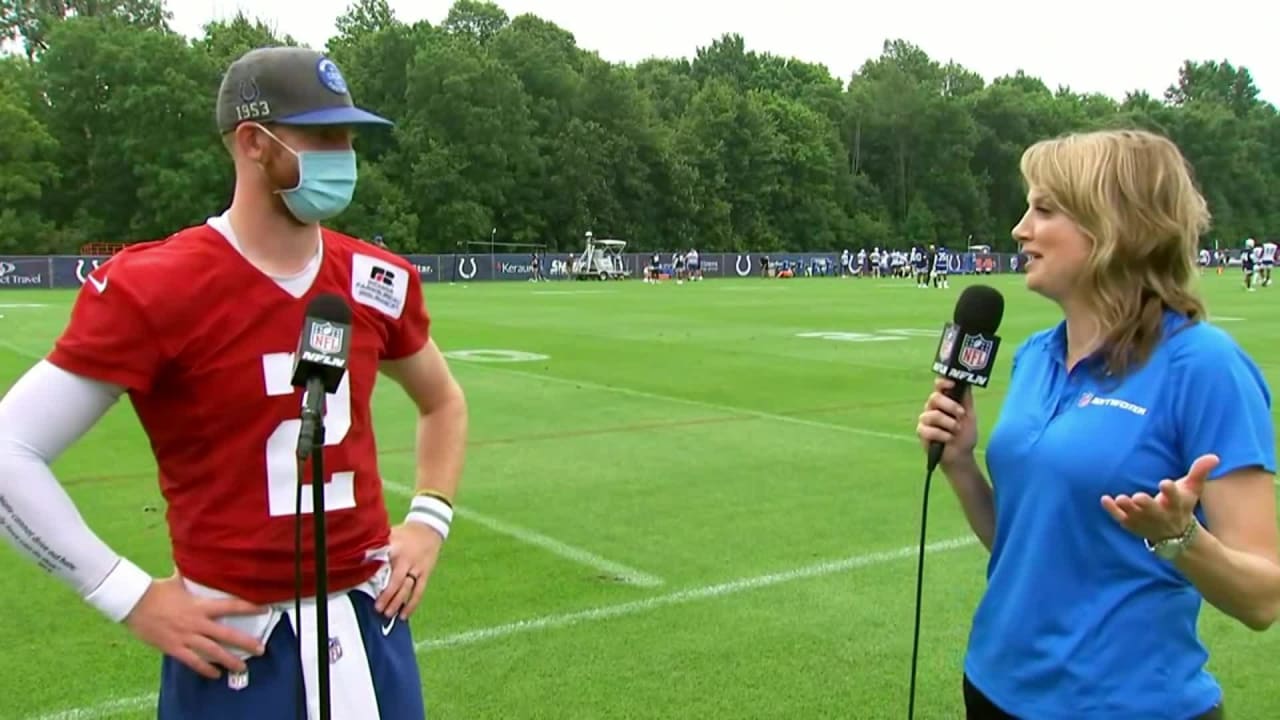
(432, 512)
(120, 590)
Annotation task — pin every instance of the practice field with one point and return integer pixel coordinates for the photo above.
(695, 501)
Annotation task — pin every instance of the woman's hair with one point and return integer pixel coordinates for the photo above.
(1132, 194)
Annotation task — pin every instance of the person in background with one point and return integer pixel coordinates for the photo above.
(1268, 262)
(535, 267)
(1132, 464)
(1249, 265)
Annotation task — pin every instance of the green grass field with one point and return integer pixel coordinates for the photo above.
(686, 509)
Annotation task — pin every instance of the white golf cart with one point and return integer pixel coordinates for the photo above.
(601, 260)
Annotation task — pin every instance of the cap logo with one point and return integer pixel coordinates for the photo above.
(249, 90)
(331, 77)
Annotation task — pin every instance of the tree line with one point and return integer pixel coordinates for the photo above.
(506, 128)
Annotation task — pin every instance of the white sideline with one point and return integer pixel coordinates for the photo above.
(110, 708)
(627, 574)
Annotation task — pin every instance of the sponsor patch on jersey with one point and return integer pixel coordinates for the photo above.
(379, 284)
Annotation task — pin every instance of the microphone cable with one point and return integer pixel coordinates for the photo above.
(297, 595)
(915, 635)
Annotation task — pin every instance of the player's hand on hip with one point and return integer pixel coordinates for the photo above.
(186, 628)
(414, 549)
(1168, 514)
(947, 421)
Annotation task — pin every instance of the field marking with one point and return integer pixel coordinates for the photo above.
(20, 351)
(571, 292)
(108, 709)
(733, 587)
(495, 355)
(625, 573)
(22, 305)
(562, 620)
(703, 403)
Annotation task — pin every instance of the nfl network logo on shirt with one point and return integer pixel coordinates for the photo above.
(1089, 398)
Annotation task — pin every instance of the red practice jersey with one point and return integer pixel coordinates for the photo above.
(203, 342)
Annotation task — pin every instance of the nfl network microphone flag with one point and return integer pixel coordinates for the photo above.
(966, 356)
(324, 344)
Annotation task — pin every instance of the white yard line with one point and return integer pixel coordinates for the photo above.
(627, 574)
(733, 587)
(901, 437)
(135, 703)
(20, 351)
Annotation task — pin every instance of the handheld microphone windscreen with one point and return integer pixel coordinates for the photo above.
(979, 309)
(333, 308)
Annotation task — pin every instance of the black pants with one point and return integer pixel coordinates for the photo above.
(978, 707)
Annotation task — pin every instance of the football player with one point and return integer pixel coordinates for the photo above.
(941, 266)
(1268, 262)
(1248, 264)
(199, 330)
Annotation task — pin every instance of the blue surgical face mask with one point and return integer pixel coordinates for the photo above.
(326, 182)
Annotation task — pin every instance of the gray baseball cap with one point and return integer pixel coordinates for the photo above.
(287, 86)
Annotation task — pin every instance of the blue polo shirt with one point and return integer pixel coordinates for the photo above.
(1079, 619)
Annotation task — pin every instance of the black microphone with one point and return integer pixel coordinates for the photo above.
(966, 354)
(320, 361)
(319, 365)
(967, 349)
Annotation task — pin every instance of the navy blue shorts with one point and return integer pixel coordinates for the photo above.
(373, 672)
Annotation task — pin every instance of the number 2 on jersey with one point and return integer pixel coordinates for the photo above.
(282, 463)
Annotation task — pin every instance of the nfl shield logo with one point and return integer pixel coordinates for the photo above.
(975, 352)
(326, 337)
(1086, 398)
(238, 680)
(948, 343)
(335, 650)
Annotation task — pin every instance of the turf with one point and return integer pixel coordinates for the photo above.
(686, 509)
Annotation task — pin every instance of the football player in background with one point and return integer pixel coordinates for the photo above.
(199, 330)
(920, 263)
(694, 265)
(1248, 264)
(941, 266)
(1268, 261)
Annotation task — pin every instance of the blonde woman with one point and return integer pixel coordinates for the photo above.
(1131, 465)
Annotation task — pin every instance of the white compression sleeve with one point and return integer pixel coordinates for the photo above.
(44, 413)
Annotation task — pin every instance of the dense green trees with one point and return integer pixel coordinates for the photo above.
(106, 135)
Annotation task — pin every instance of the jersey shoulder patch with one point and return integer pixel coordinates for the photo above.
(379, 284)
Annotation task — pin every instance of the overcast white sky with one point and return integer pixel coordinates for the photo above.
(1107, 46)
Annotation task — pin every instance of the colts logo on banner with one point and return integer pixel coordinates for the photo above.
(326, 337)
(975, 352)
